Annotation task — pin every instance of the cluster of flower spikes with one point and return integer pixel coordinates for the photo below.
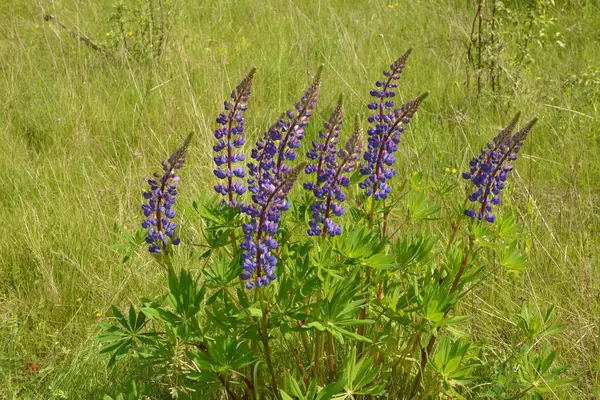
(384, 137)
(490, 169)
(270, 180)
(230, 137)
(160, 198)
(331, 168)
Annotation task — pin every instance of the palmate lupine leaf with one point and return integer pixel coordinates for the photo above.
(126, 336)
(313, 391)
(223, 355)
(360, 376)
(339, 310)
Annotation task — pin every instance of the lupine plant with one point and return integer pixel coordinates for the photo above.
(308, 293)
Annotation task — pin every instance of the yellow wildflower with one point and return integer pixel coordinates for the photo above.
(453, 170)
(36, 26)
(98, 314)
(129, 33)
(447, 169)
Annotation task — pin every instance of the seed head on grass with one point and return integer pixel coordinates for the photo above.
(229, 137)
(489, 171)
(160, 198)
(388, 125)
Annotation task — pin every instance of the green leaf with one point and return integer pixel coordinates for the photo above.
(330, 390)
(419, 206)
(380, 261)
(512, 259)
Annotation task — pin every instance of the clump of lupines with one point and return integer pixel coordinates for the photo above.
(259, 245)
(383, 138)
(269, 182)
(160, 198)
(490, 169)
(331, 168)
(230, 137)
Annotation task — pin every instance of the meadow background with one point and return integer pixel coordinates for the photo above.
(80, 131)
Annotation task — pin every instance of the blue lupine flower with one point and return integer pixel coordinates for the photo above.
(490, 169)
(279, 142)
(258, 248)
(291, 131)
(230, 137)
(158, 209)
(270, 180)
(325, 150)
(331, 169)
(384, 136)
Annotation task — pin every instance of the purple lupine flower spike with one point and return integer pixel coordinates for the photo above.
(384, 136)
(330, 195)
(490, 169)
(279, 142)
(230, 137)
(259, 245)
(325, 148)
(270, 179)
(292, 129)
(160, 198)
(383, 142)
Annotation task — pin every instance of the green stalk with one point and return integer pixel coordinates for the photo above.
(318, 359)
(265, 340)
(306, 346)
(427, 351)
(331, 358)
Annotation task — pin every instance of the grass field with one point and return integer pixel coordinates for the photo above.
(80, 131)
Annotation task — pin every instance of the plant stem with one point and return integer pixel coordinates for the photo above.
(431, 343)
(265, 340)
(385, 217)
(331, 357)
(306, 346)
(301, 365)
(318, 358)
(363, 314)
(227, 389)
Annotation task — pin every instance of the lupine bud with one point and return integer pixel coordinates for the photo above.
(161, 197)
(230, 139)
(490, 169)
(384, 136)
